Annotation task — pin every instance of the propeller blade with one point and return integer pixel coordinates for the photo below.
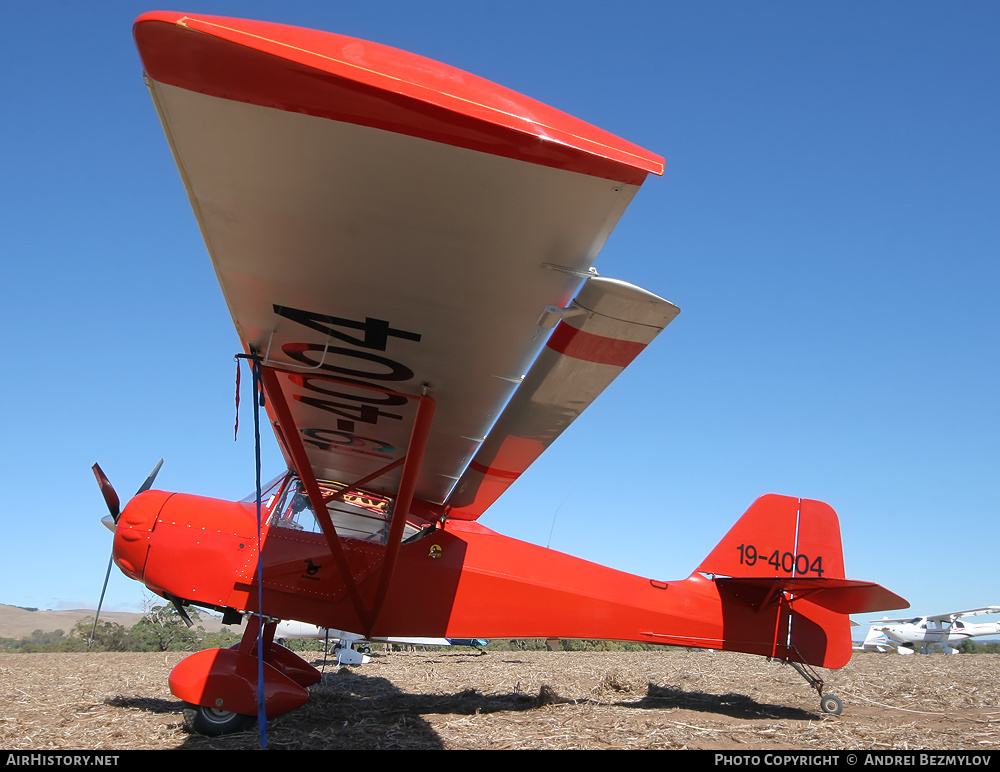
(110, 497)
(149, 480)
(100, 603)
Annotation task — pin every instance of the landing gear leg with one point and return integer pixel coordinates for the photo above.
(220, 686)
(828, 703)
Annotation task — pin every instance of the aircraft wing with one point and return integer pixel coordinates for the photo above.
(972, 613)
(386, 228)
(951, 616)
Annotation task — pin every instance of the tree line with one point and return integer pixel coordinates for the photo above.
(160, 629)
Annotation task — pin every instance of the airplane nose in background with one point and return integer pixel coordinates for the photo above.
(109, 523)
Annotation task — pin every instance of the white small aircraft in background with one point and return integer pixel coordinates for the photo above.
(347, 654)
(909, 635)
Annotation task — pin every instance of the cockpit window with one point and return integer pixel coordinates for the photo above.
(359, 515)
(294, 510)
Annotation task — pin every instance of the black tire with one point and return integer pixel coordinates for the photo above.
(830, 703)
(213, 722)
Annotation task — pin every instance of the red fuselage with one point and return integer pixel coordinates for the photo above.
(457, 580)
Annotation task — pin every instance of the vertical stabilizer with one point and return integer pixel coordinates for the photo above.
(780, 536)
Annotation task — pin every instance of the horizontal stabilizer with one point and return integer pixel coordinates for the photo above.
(844, 596)
(606, 327)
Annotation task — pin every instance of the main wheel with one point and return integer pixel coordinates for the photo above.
(830, 703)
(214, 722)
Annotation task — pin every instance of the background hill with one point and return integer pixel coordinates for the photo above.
(17, 622)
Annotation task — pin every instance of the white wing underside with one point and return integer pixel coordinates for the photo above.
(370, 266)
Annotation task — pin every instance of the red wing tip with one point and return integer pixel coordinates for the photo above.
(410, 75)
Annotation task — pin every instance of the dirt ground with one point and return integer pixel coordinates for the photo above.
(445, 699)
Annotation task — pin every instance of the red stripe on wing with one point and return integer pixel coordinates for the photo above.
(570, 341)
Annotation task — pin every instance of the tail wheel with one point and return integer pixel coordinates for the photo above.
(830, 703)
(214, 722)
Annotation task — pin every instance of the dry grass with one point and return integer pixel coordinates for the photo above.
(444, 699)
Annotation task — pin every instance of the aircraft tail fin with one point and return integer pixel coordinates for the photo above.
(780, 575)
(780, 536)
(876, 639)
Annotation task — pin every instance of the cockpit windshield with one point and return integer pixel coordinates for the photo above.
(268, 493)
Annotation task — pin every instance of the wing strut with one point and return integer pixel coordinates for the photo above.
(401, 505)
(298, 453)
(411, 462)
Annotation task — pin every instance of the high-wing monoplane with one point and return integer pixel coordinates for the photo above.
(919, 633)
(407, 253)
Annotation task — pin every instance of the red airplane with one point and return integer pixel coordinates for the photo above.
(398, 241)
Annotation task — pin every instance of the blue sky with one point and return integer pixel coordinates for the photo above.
(828, 224)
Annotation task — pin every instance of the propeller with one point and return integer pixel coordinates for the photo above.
(110, 520)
